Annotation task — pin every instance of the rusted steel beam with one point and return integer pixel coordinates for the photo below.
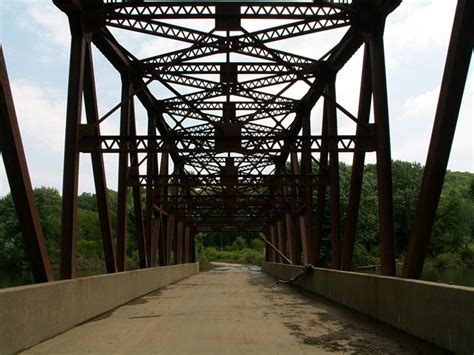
(273, 243)
(123, 170)
(357, 166)
(92, 116)
(187, 244)
(236, 228)
(137, 200)
(215, 68)
(193, 250)
(281, 237)
(334, 178)
(200, 143)
(321, 194)
(170, 232)
(179, 242)
(290, 232)
(149, 220)
(118, 57)
(174, 10)
(347, 47)
(174, 243)
(275, 251)
(306, 169)
(295, 169)
(245, 176)
(268, 253)
(298, 194)
(450, 98)
(173, 220)
(163, 191)
(304, 239)
(157, 225)
(158, 222)
(290, 228)
(162, 241)
(208, 40)
(143, 180)
(71, 150)
(384, 162)
(16, 168)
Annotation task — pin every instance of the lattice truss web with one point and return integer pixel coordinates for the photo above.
(233, 83)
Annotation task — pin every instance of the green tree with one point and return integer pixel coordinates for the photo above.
(48, 201)
(257, 244)
(239, 243)
(11, 247)
(406, 185)
(87, 201)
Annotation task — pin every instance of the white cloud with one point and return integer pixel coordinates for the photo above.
(51, 27)
(418, 27)
(420, 106)
(462, 152)
(53, 24)
(40, 110)
(411, 130)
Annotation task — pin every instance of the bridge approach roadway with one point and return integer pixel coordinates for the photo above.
(232, 310)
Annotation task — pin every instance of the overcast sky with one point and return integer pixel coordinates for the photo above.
(35, 39)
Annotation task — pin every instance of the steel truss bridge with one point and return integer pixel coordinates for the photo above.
(229, 118)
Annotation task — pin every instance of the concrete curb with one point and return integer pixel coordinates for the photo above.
(441, 314)
(31, 314)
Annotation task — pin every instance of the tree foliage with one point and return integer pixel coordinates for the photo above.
(89, 238)
(453, 231)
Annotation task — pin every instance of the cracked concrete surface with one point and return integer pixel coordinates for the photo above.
(232, 311)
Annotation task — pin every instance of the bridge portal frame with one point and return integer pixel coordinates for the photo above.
(88, 26)
(173, 214)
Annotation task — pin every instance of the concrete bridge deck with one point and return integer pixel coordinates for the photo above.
(232, 311)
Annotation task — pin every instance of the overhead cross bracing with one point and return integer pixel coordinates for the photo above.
(231, 142)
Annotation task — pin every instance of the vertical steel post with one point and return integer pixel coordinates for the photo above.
(170, 231)
(306, 169)
(137, 199)
(287, 228)
(321, 195)
(71, 150)
(122, 213)
(164, 220)
(193, 244)
(174, 242)
(281, 238)
(334, 175)
(304, 239)
(357, 165)
(187, 244)
(98, 168)
(290, 232)
(384, 162)
(171, 228)
(16, 168)
(268, 255)
(450, 98)
(274, 241)
(162, 239)
(157, 226)
(179, 242)
(151, 163)
(296, 196)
